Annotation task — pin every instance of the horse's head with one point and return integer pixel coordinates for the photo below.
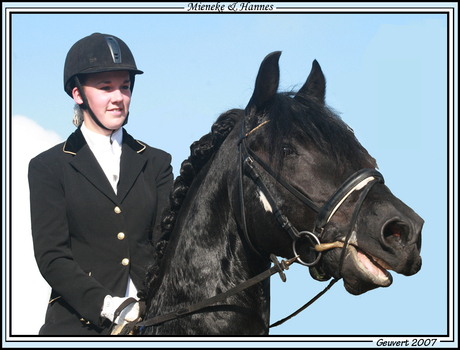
(312, 167)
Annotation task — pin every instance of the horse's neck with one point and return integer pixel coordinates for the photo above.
(206, 255)
(206, 251)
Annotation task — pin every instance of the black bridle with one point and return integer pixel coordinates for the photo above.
(362, 179)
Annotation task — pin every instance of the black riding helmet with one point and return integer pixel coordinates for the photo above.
(97, 53)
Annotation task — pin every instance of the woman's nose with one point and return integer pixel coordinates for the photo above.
(117, 96)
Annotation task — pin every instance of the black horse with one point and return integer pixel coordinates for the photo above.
(286, 176)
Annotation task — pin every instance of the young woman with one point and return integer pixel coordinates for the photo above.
(96, 198)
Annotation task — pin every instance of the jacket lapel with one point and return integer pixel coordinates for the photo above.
(131, 164)
(85, 162)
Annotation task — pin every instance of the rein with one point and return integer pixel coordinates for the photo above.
(278, 267)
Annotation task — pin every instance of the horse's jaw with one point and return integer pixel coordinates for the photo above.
(362, 271)
(369, 268)
(371, 271)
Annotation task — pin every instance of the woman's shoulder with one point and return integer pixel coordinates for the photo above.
(53, 159)
(144, 148)
(62, 150)
(50, 153)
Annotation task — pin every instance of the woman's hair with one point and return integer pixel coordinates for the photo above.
(77, 115)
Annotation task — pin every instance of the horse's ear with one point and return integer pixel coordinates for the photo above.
(266, 83)
(315, 86)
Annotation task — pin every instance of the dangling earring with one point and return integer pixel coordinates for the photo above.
(77, 116)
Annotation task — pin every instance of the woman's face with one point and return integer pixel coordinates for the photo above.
(109, 96)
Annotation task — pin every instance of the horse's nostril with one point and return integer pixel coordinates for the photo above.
(396, 232)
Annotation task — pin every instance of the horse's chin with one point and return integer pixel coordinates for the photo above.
(362, 272)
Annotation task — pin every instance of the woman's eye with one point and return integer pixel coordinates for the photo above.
(287, 151)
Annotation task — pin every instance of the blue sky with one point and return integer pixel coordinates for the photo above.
(386, 75)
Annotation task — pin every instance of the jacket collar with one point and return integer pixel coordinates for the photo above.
(76, 141)
(131, 164)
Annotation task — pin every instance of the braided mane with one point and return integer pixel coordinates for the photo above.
(201, 152)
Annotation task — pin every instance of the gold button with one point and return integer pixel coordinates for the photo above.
(125, 262)
(117, 210)
(121, 236)
(84, 321)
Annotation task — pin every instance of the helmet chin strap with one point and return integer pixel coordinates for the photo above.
(85, 106)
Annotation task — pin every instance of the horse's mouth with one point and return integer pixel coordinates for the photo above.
(371, 267)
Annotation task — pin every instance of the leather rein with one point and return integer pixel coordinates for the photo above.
(363, 179)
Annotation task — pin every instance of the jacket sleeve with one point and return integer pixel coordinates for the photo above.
(51, 239)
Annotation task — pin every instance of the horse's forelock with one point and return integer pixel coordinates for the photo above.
(310, 120)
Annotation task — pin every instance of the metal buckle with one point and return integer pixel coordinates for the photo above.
(306, 233)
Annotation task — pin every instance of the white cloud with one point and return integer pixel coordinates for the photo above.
(30, 292)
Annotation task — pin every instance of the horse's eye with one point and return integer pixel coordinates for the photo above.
(287, 151)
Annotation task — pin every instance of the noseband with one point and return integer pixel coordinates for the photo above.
(362, 179)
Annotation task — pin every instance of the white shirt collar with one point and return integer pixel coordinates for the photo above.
(99, 142)
(108, 154)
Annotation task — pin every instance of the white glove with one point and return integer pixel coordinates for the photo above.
(129, 313)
